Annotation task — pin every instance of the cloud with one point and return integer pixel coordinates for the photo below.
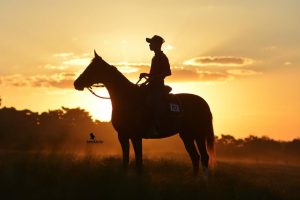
(65, 80)
(224, 61)
(191, 75)
(56, 67)
(63, 74)
(214, 76)
(17, 80)
(77, 61)
(218, 68)
(68, 60)
(243, 72)
(133, 64)
(58, 80)
(182, 75)
(130, 67)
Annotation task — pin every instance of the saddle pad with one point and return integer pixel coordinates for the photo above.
(174, 105)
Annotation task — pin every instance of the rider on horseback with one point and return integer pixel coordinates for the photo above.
(160, 68)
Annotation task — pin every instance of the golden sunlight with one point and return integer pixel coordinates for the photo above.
(100, 109)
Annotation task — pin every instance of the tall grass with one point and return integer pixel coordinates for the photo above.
(54, 176)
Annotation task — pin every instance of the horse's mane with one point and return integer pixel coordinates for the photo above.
(118, 75)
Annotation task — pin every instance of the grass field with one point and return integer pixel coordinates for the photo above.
(37, 176)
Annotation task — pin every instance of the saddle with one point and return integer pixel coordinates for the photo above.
(167, 89)
(173, 104)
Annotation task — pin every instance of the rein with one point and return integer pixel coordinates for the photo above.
(101, 85)
(91, 90)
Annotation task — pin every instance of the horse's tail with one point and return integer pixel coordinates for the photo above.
(210, 143)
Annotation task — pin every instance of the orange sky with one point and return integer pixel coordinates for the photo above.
(242, 57)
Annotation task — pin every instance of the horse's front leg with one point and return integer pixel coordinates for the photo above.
(138, 150)
(124, 141)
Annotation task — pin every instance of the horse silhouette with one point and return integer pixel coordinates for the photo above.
(129, 115)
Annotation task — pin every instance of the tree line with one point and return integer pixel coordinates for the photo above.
(68, 129)
(258, 148)
(63, 129)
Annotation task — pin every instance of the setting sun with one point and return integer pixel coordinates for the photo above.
(99, 108)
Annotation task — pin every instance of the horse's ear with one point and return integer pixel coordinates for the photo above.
(96, 55)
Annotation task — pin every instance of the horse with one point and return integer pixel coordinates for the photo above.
(194, 125)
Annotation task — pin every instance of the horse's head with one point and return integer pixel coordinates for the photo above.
(94, 73)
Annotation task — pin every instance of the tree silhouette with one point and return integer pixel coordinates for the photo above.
(54, 130)
(68, 129)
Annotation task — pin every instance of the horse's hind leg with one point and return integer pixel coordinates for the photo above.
(191, 149)
(203, 152)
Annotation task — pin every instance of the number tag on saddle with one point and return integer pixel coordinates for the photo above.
(174, 108)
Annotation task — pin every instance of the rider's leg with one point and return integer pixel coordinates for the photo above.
(154, 102)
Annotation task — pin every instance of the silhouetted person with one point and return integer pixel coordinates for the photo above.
(160, 68)
(92, 136)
